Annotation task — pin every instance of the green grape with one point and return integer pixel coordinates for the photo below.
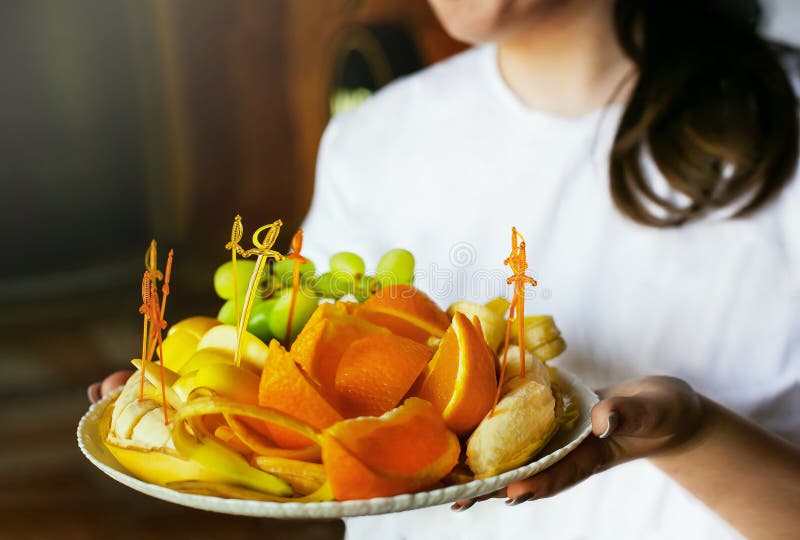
(227, 313)
(223, 278)
(364, 288)
(282, 270)
(258, 324)
(348, 263)
(305, 304)
(260, 316)
(395, 267)
(333, 285)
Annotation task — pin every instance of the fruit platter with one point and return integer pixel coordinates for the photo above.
(339, 394)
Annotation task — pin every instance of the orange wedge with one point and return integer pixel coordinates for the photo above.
(460, 379)
(406, 311)
(286, 388)
(405, 450)
(320, 345)
(376, 371)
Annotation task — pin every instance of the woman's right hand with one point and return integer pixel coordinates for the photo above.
(636, 419)
(97, 390)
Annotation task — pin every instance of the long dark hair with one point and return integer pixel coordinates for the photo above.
(712, 107)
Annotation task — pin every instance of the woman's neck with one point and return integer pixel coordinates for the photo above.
(568, 61)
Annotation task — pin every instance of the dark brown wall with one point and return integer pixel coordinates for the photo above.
(134, 119)
(121, 120)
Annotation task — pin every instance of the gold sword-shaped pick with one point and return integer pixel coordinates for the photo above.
(263, 248)
(233, 246)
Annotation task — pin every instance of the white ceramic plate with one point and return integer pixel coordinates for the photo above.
(563, 443)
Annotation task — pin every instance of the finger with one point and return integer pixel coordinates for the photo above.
(93, 392)
(591, 456)
(464, 504)
(114, 381)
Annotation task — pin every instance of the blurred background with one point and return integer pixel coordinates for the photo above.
(126, 120)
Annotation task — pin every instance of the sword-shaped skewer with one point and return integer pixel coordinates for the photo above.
(233, 246)
(263, 248)
(298, 260)
(518, 262)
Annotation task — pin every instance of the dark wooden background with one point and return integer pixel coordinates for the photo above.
(123, 121)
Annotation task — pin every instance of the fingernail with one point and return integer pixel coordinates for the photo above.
(613, 420)
(93, 392)
(460, 508)
(519, 500)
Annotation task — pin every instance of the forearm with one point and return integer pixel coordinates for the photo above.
(748, 476)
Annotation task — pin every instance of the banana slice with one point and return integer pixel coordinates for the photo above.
(492, 324)
(534, 368)
(523, 422)
(542, 337)
(150, 431)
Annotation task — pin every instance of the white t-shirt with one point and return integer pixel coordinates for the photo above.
(444, 162)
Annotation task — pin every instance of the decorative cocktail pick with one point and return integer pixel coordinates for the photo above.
(151, 262)
(153, 274)
(263, 248)
(233, 246)
(152, 310)
(165, 285)
(144, 309)
(518, 262)
(157, 325)
(298, 260)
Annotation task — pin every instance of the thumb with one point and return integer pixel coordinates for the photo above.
(634, 416)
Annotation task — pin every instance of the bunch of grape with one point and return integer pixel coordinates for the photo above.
(347, 274)
(270, 313)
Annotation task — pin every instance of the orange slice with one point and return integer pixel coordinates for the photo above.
(286, 388)
(406, 311)
(460, 379)
(322, 342)
(375, 373)
(405, 450)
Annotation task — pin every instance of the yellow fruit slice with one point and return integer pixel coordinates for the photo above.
(178, 348)
(499, 305)
(551, 349)
(228, 491)
(304, 477)
(492, 324)
(183, 338)
(229, 381)
(542, 337)
(223, 338)
(206, 357)
(152, 373)
(204, 449)
(158, 467)
(195, 326)
(523, 422)
(534, 368)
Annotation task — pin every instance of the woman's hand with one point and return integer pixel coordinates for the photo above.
(635, 419)
(99, 389)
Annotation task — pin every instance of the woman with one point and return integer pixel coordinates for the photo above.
(647, 151)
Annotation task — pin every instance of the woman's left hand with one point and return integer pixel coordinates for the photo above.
(636, 419)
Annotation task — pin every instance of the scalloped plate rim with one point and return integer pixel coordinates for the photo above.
(91, 446)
